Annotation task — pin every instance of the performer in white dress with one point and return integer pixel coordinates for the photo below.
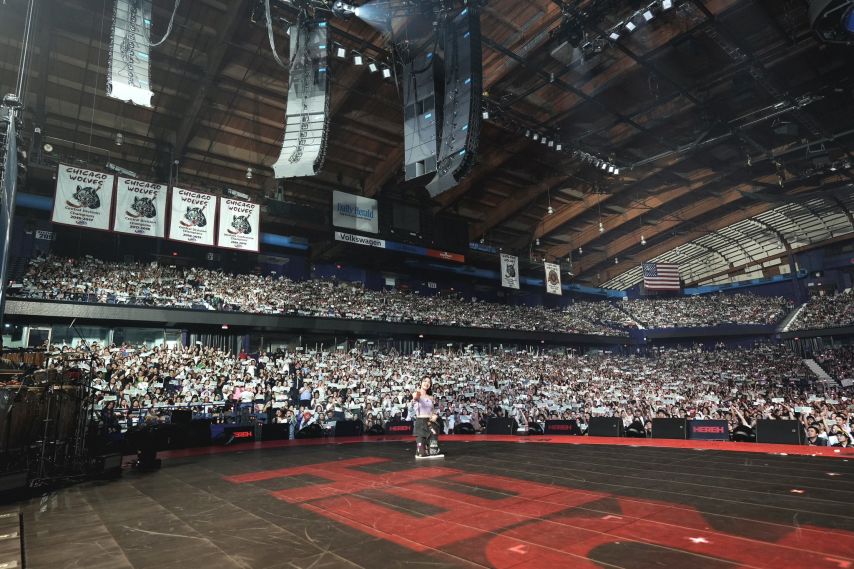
(426, 427)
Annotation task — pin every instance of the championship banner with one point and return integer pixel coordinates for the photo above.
(553, 278)
(354, 212)
(83, 197)
(128, 73)
(192, 217)
(509, 271)
(140, 208)
(239, 225)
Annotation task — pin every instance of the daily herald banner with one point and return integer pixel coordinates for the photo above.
(509, 271)
(354, 212)
(127, 77)
(140, 208)
(239, 224)
(83, 197)
(192, 217)
(552, 278)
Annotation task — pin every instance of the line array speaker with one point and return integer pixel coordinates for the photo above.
(461, 108)
(307, 115)
(421, 115)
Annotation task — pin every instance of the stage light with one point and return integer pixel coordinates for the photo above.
(372, 66)
(580, 251)
(48, 147)
(537, 242)
(536, 136)
(386, 72)
(615, 35)
(343, 10)
(648, 15)
(604, 166)
(616, 171)
(485, 115)
(666, 4)
(630, 26)
(528, 133)
(544, 140)
(340, 51)
(616, 261)
(550, 210)
(551, 143)
(249, 173)
(610, 169)
(119, 139)
(643, 241)
(601, 227)
(357, 58)
(559, 147)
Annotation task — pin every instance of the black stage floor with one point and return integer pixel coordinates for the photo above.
(485, 505)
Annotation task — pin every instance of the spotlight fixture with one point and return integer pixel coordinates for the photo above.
(749, 160)
(372, 66)
(357, 58)
(485, 114)
(643, 241)
(550, 210)
(611, 169)
(666, 4)
(614, 36)
(528, 133)
(648, 15)
(604, 166)
(249, 173)
(536, 136)
(559, 147)
(616, 261)
(340, 51)
(119, 139)
(616, 171)
(631, 26)
(544, 140)
(601, 227)
(580, 251)
(47, 147)
(551, 143)
(386, 72)
(343, 10)
(537, 242)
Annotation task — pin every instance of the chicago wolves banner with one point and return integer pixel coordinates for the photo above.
(83, 197)
(127, 76)
(192, 217)
(238, 224)
(509, 271)
(552, 278)
(140, 208)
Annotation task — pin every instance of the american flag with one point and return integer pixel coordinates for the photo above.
(661, 276)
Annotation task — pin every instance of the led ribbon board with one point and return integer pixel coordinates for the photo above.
(307, 116)
(128, 73)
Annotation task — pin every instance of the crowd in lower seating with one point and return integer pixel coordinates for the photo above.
(826, 311)
(300, 388)
(151, 284)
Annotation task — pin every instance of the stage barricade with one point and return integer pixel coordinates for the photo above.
(708, 430)
(562, 428)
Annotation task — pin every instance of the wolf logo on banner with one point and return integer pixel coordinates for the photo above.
(190, 214)
(239, 223)
(83, 197)
(552, 278)
(509, 271)
(140, 208)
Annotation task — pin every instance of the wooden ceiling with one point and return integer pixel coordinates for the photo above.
(688, 106)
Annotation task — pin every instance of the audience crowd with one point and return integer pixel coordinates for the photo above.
(300, 388)
(151, 284)
(826, 311)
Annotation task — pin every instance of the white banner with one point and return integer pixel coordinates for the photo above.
(239, 225)
(192, 217)
(359, 240)
(140, 208)
(509, 271)
(128, 74)
(354, 212)
(83, 197)
(552, 278)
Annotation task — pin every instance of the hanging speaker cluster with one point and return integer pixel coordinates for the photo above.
(421, 115)
(307, 115)
(460, 103)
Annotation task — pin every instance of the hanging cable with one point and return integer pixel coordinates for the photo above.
(169, 28)
(23, 68)
(270, 35)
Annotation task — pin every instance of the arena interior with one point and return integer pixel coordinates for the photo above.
(383, 284)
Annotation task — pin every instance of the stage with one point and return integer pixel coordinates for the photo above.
(492, 502)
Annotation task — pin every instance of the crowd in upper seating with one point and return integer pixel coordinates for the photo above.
(298, 388)
(151, 284)
(838, 363)
(826, 311)
(708, 310)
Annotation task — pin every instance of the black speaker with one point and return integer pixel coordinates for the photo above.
(181, 417)
(788, 432)
(348, 428)
(421, 116)
(669, 429)
(605, 427)
(464, 429)
(499, 426)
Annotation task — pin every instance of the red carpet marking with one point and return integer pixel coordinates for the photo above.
(514, 521)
